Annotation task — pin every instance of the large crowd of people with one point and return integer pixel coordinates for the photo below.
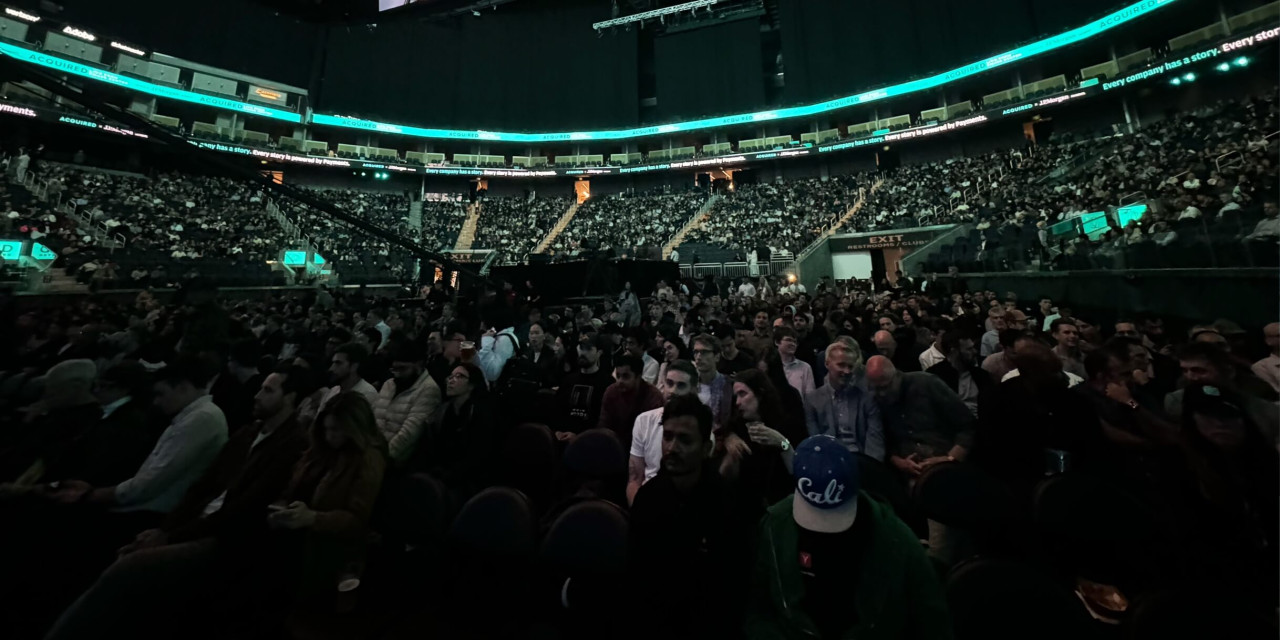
(753, 462)
(628, 224)
(1205, 178)
(516, 224)
(787, 215)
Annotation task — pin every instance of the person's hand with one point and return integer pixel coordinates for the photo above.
(296, 516)
(907, 465)
(1166, 350)
(761, 434)
(1119, 392)
(148, 539)
(71, 491)
(735, 447)
(929, 462)
(491, 332)
(564, 436)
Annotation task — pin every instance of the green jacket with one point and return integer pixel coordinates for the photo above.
(897, 595)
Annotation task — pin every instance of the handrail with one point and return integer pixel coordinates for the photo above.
(1218, 162)
(1124, 199)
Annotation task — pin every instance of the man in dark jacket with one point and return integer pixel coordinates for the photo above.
(961, 371)
(925, 423)
(689, 533)
(816, 575)
(111, 451)
(252, 470)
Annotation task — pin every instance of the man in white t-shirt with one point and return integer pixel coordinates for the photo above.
(646, 436)
(746, 289)
(344, 373)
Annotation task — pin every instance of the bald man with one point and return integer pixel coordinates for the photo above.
(1268, 368)
(885, 343)
(925, 422)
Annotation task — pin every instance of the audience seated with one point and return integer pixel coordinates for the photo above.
(515, 225)
(222, 464)
(628, 225)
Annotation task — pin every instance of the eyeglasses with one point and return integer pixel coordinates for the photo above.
(459, 376)
(702, 352)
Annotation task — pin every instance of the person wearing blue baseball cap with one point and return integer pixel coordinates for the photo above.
(833, 562)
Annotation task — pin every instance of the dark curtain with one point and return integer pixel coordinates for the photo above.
(710, 71)
(836, 48)
(236, 35)
(527, 66)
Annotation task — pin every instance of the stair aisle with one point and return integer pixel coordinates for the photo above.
(468, 233)
(696, 222)
(559, 227)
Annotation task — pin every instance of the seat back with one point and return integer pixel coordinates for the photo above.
(992, 598)
(529, 462)
(583, 567)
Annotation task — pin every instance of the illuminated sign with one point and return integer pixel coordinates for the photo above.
(867, 241)
(1021, 53)
(102, 126)
(1125, 215)
(41, 252)
(17, 111)
(79, 33)
(267, 94)
(1171, 65)
(124, 47)
(10, 250)
(295, 258)
(1094, 224)
(317, 259)
(21, 15)
(93, 73)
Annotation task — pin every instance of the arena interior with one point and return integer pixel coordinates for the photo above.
(560, 319)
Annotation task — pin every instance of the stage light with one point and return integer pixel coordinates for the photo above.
(1190, 77)
(1176, 81)
(363, 173)
(1242, 61)
(1223, 67)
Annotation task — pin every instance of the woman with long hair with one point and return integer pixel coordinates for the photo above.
(758, 417)
(333, 490)
(456, 447)
(673, 348)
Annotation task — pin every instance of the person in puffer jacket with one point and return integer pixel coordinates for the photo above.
(405, 403)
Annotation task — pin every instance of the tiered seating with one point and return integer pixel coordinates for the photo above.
(622, 223)
(516, 224)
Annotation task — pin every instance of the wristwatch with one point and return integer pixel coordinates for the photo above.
(786, 444)
(1133, 404)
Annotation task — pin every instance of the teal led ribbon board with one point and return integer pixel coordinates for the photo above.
(1074, 36)
(62, 65)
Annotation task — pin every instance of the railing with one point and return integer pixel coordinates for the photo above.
(1225, 160)
(737, 269)
(1129, 198)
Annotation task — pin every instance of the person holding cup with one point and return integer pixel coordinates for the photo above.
(759, 419)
